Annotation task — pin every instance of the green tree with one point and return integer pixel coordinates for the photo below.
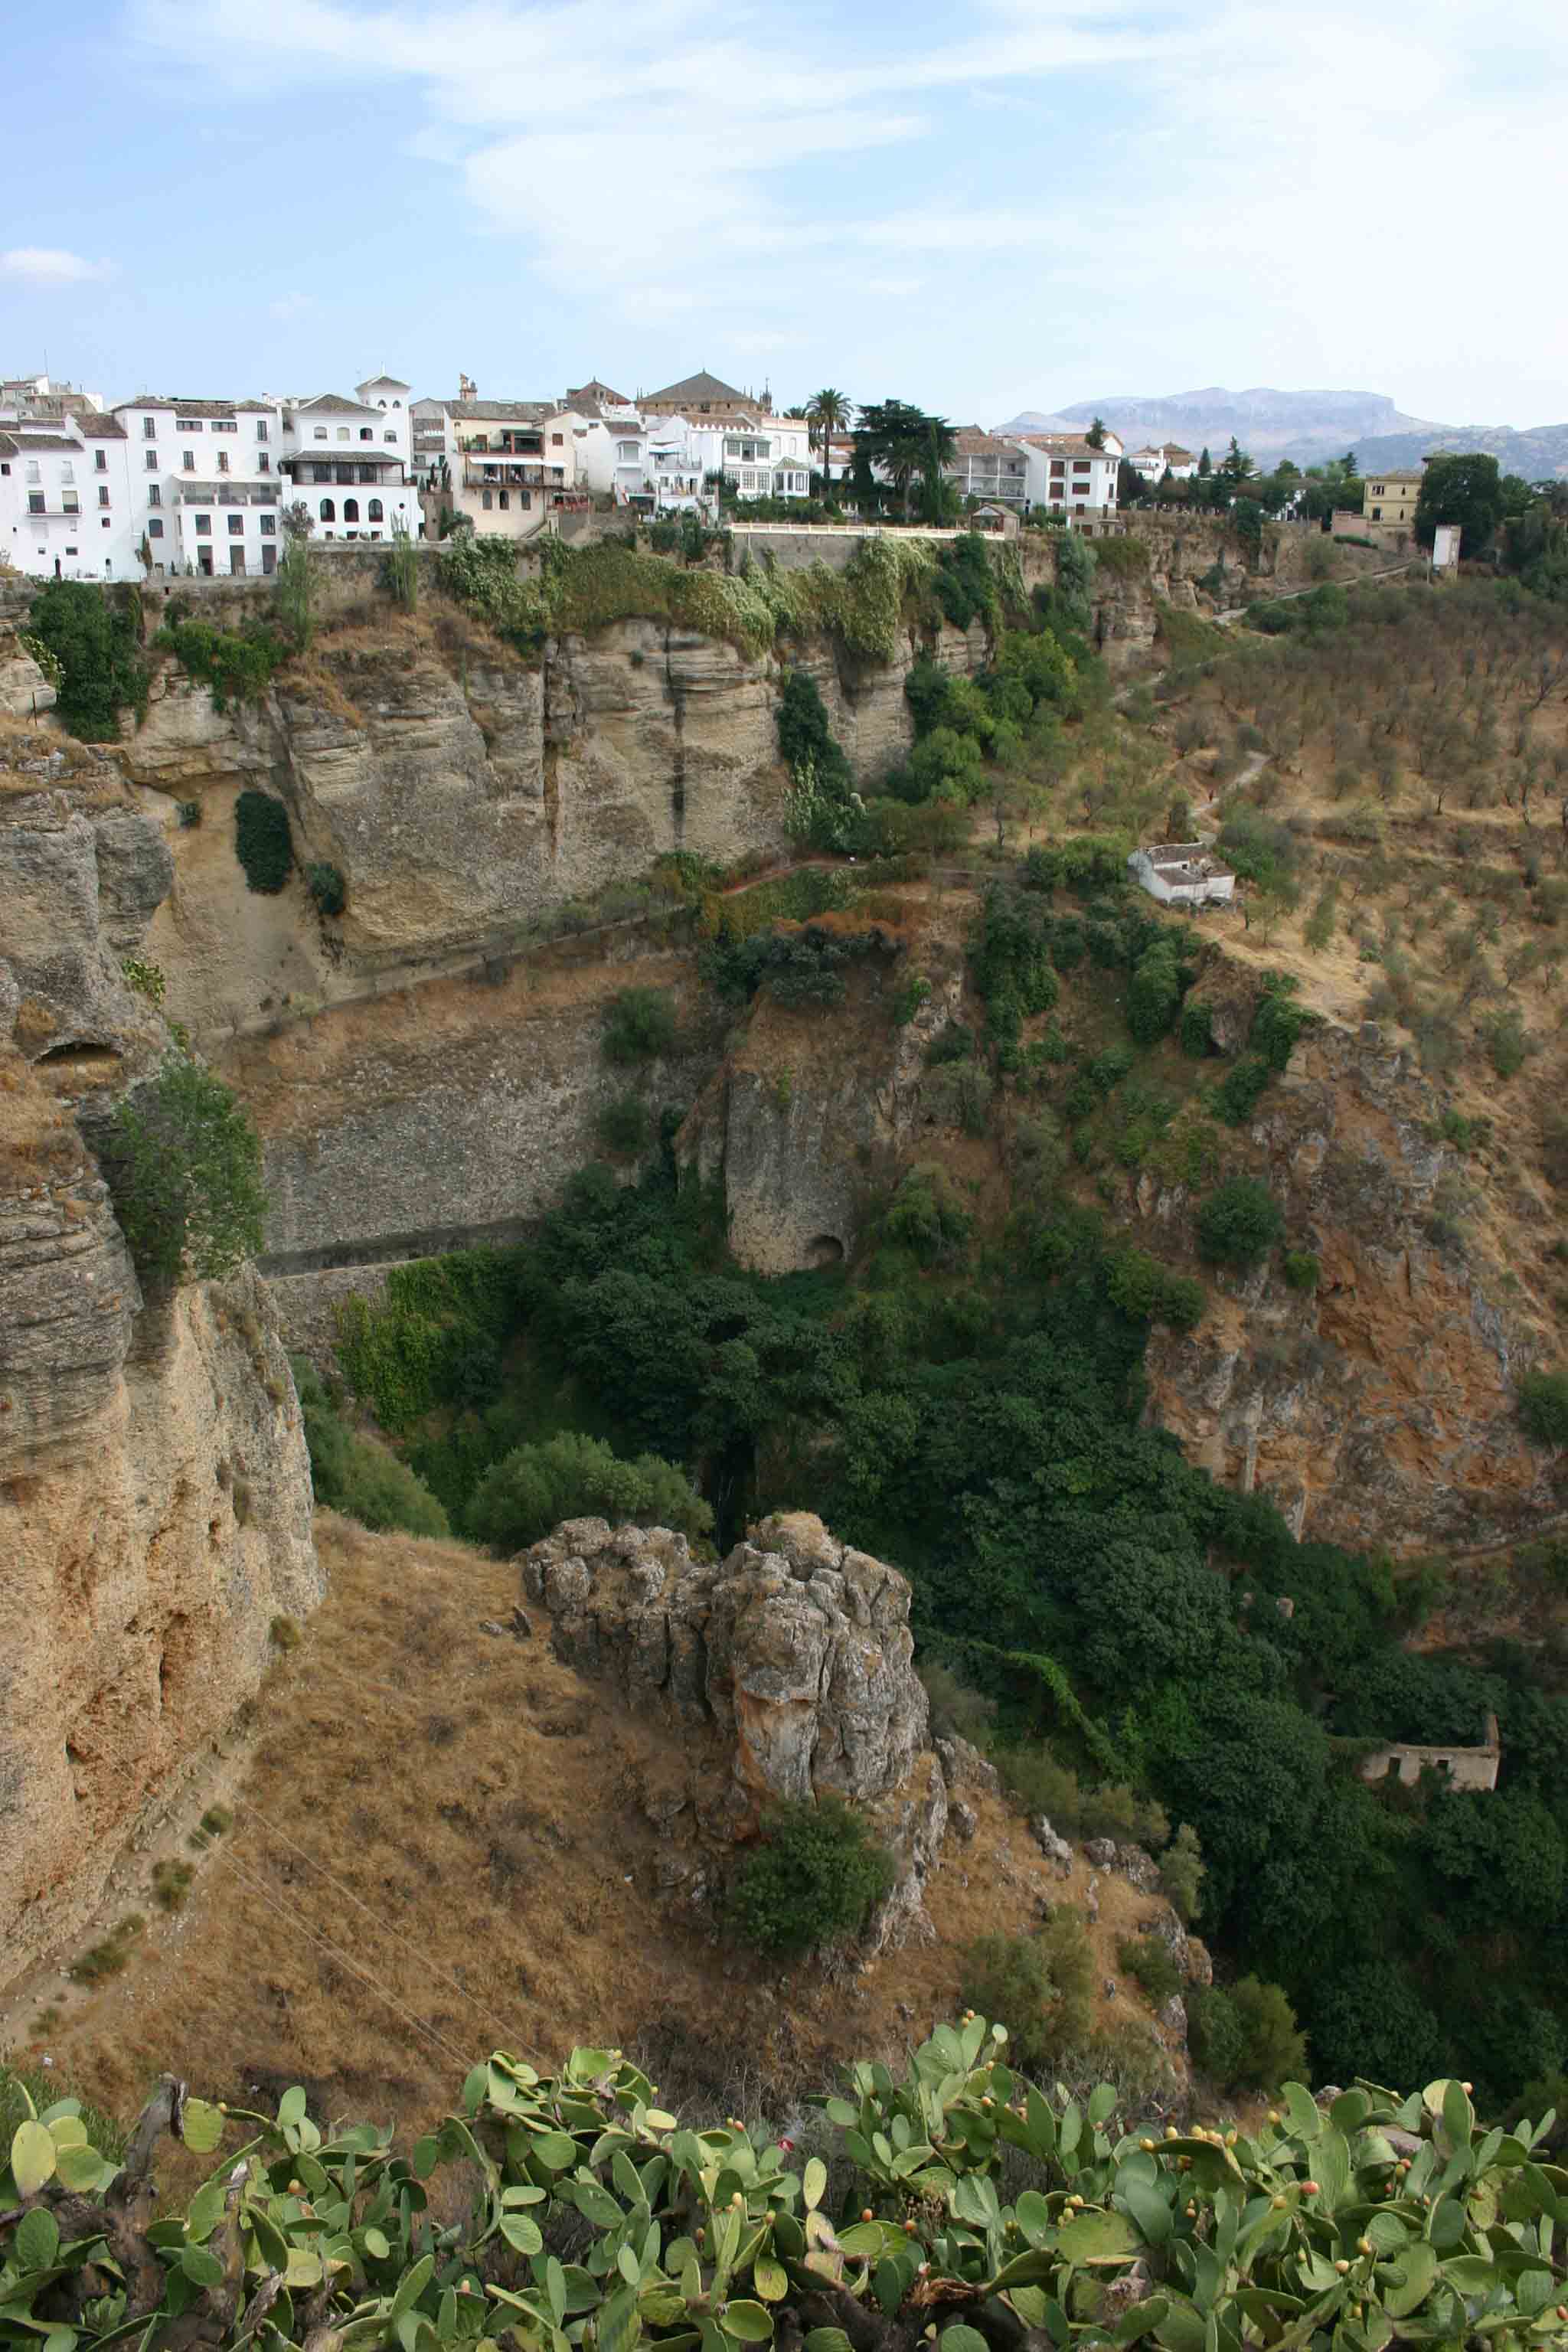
(639, 1024)
(829, 412)
(183, 1165)
(296, 588)
(1543, 1404)
(816, 1874)
(1095, 437)
(1239, 1223)
(1464, 487)
(94, 634)
(569, 1476)
(1205, 466)
(894, 437)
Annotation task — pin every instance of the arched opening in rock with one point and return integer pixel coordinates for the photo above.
(80, 1051)
(825, 1250)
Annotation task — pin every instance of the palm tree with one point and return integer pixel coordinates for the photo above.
(829, 412)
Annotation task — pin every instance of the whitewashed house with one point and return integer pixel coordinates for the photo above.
(1161, 457)
(985, 465)
(759, 456)
(67, 511)
(207, 481)
(1181, 874)
(350, 463)
(1067, 474)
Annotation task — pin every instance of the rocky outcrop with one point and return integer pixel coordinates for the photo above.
(25, 691)
(1378, 1407)
(796, 1650)
(809, 1112)
(154, 1483)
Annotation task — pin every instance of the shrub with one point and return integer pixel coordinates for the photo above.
(816, 1874)
(189, 814)
(93, 634)
(624, 1127)
(236, 665)
(262, 842)
(1543, 1405)
(1245, 2038)
(1239, 1223)
(1041, 1988)
(956, 1711)
(1241, 1088)
(356, 1476)
(1141, 1287)
(183, 1165)
(926, 1217)
(570, 1476)
(1181, 1874)
(1301, 1269)
(1196, 1030)
(959, 1095)
(639, 1024)
(328, 887)
(1149, 1963)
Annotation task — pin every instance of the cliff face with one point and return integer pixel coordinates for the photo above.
(154, 1485)
(461, 790)
(1378, 1408)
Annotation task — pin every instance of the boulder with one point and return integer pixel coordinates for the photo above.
(795, 1644)
(1139, 1868)
(1054, 1848)
(1172, 2017)
(1101, 1852)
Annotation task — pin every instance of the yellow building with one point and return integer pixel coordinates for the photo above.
(1391, 498)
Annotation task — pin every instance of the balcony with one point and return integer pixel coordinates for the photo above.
(512, 474)
(225, 494)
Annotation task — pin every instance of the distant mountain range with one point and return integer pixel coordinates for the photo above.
(1308, 426)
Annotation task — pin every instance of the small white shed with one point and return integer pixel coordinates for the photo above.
(1182, 872)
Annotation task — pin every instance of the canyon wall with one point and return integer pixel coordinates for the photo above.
(154, 1484)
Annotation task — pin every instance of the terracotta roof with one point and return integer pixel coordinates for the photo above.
(1176, 455)
(62, 446)
(199, 408)
(701, 387)
(500, 411)
(93, 427)
(594, 389)
(972, 442)
(335, 400)
(1062, 444)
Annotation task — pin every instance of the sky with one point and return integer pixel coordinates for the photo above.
(1011, 205)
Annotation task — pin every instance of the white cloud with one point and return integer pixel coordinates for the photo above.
(49, 265)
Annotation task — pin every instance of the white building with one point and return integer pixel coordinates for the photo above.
(66, 510)
(503, 466)
(1067, 474)
(1161, 458)
(350, 461)
(1181, 874)
(985, 465)
(207, 481)
(759, 456)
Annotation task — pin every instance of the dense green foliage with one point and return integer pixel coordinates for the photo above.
(974, 1413)
(326, 886)
(1543, 1404)
(1245, 2038)
(1239, 1223)
(823, 810)
(569, 1476)
(183, 1165)
(1042, 1984)
(566, 2211)
(94, 635)
(356, 1476)
(814, 1873)
(639, 1025)
(262, 842)
(236, 664)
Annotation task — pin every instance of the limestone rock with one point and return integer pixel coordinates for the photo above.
(796, 1646)
(964, 1767)
(1139, 1868)
(1101, 1852)
(962, 1820)
(135, 874)
(72, 993)
(1172, 2018)
(1054, 1847)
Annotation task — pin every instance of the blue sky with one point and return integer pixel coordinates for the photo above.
(1014, 205)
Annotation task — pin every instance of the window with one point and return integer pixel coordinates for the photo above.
(397, 403)
(149, 427)
(342, 432)
(261, 428)
(154, 493)
(105, 522)
(373, 510)
(505, 500)
(381, 403)
(155, 528)
(99, 461)
(104, 494)
(188, 460)
(557, 440)
(389, 436)
(223, 461)
(268, 526)
(33, 472)
(203, 526)
(236, 526)
(70, 502)
(369, 474)
(487, 501)
(264, 463)
(367, 432)
(67, 471)
(225, 424)
(329, 512)
(350, 511)
(35, 502)
(151, 461)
